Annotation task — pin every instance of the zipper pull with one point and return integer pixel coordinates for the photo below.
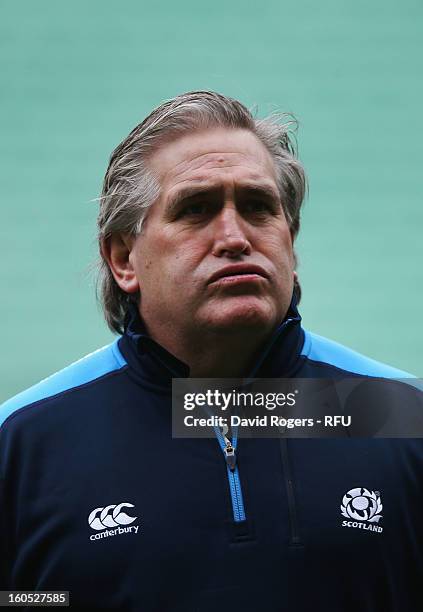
(230, 454)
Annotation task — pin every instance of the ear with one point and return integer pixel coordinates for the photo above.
(116, 251)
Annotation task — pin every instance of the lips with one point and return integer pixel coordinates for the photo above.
(238, 270)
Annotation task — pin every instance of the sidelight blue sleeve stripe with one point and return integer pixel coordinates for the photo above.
(319, 349)
(92, 366)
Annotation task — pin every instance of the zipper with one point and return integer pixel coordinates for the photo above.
(229, 451)
(292, 505)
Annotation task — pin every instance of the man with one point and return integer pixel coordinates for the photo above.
(199, 211)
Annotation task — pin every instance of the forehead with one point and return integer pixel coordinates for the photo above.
(219, 155)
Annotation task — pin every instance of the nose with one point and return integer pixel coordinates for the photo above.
(230, 236)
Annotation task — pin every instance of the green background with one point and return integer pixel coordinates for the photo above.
(77, 76)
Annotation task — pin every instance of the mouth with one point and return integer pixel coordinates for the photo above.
(238, 273)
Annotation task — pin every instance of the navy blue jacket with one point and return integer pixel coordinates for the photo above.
(97, 498)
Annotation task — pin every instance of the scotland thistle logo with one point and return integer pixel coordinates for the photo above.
(362, 505)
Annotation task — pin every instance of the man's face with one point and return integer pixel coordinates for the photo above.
(219, 215)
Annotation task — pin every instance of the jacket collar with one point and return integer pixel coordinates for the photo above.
(155, 365)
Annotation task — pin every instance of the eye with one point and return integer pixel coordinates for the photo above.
(196, 208)
(258, 206)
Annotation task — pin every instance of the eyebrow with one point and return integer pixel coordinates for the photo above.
(201, 188)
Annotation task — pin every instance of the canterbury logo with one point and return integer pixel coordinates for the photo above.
(110, 516)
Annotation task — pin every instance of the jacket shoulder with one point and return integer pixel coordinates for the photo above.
(327, 352)
(87, 369)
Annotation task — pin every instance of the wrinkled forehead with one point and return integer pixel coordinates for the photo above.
(213, 154)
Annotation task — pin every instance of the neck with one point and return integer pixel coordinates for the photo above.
(230, 359)
(215, 354)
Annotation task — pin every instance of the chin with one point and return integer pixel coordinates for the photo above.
(243, 316)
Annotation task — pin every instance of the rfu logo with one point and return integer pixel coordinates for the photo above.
(110, 516)
(363, 507)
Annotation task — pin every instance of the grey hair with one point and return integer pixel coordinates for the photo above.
(129, 186)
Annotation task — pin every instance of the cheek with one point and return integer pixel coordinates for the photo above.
(278, 246)
(166, 261)
(142, 261)
(185, 251)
